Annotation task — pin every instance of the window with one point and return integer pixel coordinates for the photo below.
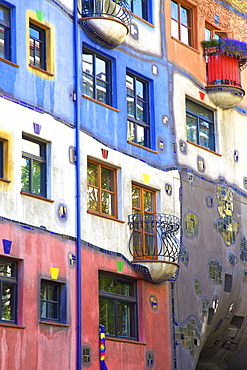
(144, 232)
(137, 110)
(5, 37)
(211, 33)
(96, 76)
(33, 166)
(101, 189)
(1, 159)
(139, 8)
(53, 301)
(37, 55)
(8, 290)
(200, 125)
(181, 22)
(118, 306)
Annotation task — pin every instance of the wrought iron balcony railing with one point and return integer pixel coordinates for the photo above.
(114, 9)
(153, 236)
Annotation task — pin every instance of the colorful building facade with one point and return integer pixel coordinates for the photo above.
(122, 185)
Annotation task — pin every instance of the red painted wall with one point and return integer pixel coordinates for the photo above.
(35, 346)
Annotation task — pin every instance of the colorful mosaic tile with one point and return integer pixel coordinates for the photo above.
(198, 288)
(232, 258)
(215, 271)
(168, 189)
(190, 224)
(227, 226)
(191, 178)
(201, 164)
(205, 306)
(183, 146)
(184, 256)
(209, 202)
(243, 249)
(188, 336)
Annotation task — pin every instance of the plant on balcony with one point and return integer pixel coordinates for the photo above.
(230, 47)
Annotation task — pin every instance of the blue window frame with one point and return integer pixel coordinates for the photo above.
(138, 110)
(96, 76)
(200, 125)
(118, 306)
(8, 290)
(37, 46)
(5, 33)
(53, 306)
(139, 8)
(33, 166)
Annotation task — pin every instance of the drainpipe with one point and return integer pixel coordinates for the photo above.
(78, 198)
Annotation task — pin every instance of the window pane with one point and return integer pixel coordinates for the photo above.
(8, 296)
(207, 34)
(2, 41)
(107, 203)
(174, 10)
(6, 269)
(135, 197)
(100, 69)
(92, 198)
(191, 122)
(140, 113)
(35, 33)
(200, 110)
(185, 35)
(25, 176)
(140, 89)
(139, 134)
(88, 86)
(107, 179)
(137, 243)
(106, 308)
(51, 290)
(204, 133)
(52, 312)
(123, 319)
(101, 91)
(36, 176)
(4, 15)
(148, 201)
(130, 106)
(130, 85)
(92, 174)
(116, 286)
(175, 29)
(87, 64)
(184, 15)
(30, 147)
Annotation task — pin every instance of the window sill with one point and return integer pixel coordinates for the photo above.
(122, 340)
(105, 216)
(36, 196)
(53, 324)
(141, 19)
(100, 103)
(142, 147)
(41, 70)
(4, 180)
(3, 325)
(9, 62)
(187, 46)
(202, 147)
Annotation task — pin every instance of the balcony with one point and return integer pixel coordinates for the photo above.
(153, 244)
(106, 21)
(225, 61)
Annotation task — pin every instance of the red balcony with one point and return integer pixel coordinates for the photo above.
(224, 64)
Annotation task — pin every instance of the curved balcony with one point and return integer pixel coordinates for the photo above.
(153, 243)
(106, 21)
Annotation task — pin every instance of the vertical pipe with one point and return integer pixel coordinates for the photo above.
(78, 199)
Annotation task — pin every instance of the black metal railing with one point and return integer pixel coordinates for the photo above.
(154, 236)
(118, 9)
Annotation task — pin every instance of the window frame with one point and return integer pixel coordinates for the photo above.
(96, 80)
(42, 42)
(61, 302)
(141, 229)
(7, 28)
(189, 27)
(144, 11)
(1, 158)
(199, 117)
(132, 301)
(13, 280)
(132, 120)
(42, 159)
(114, 192)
